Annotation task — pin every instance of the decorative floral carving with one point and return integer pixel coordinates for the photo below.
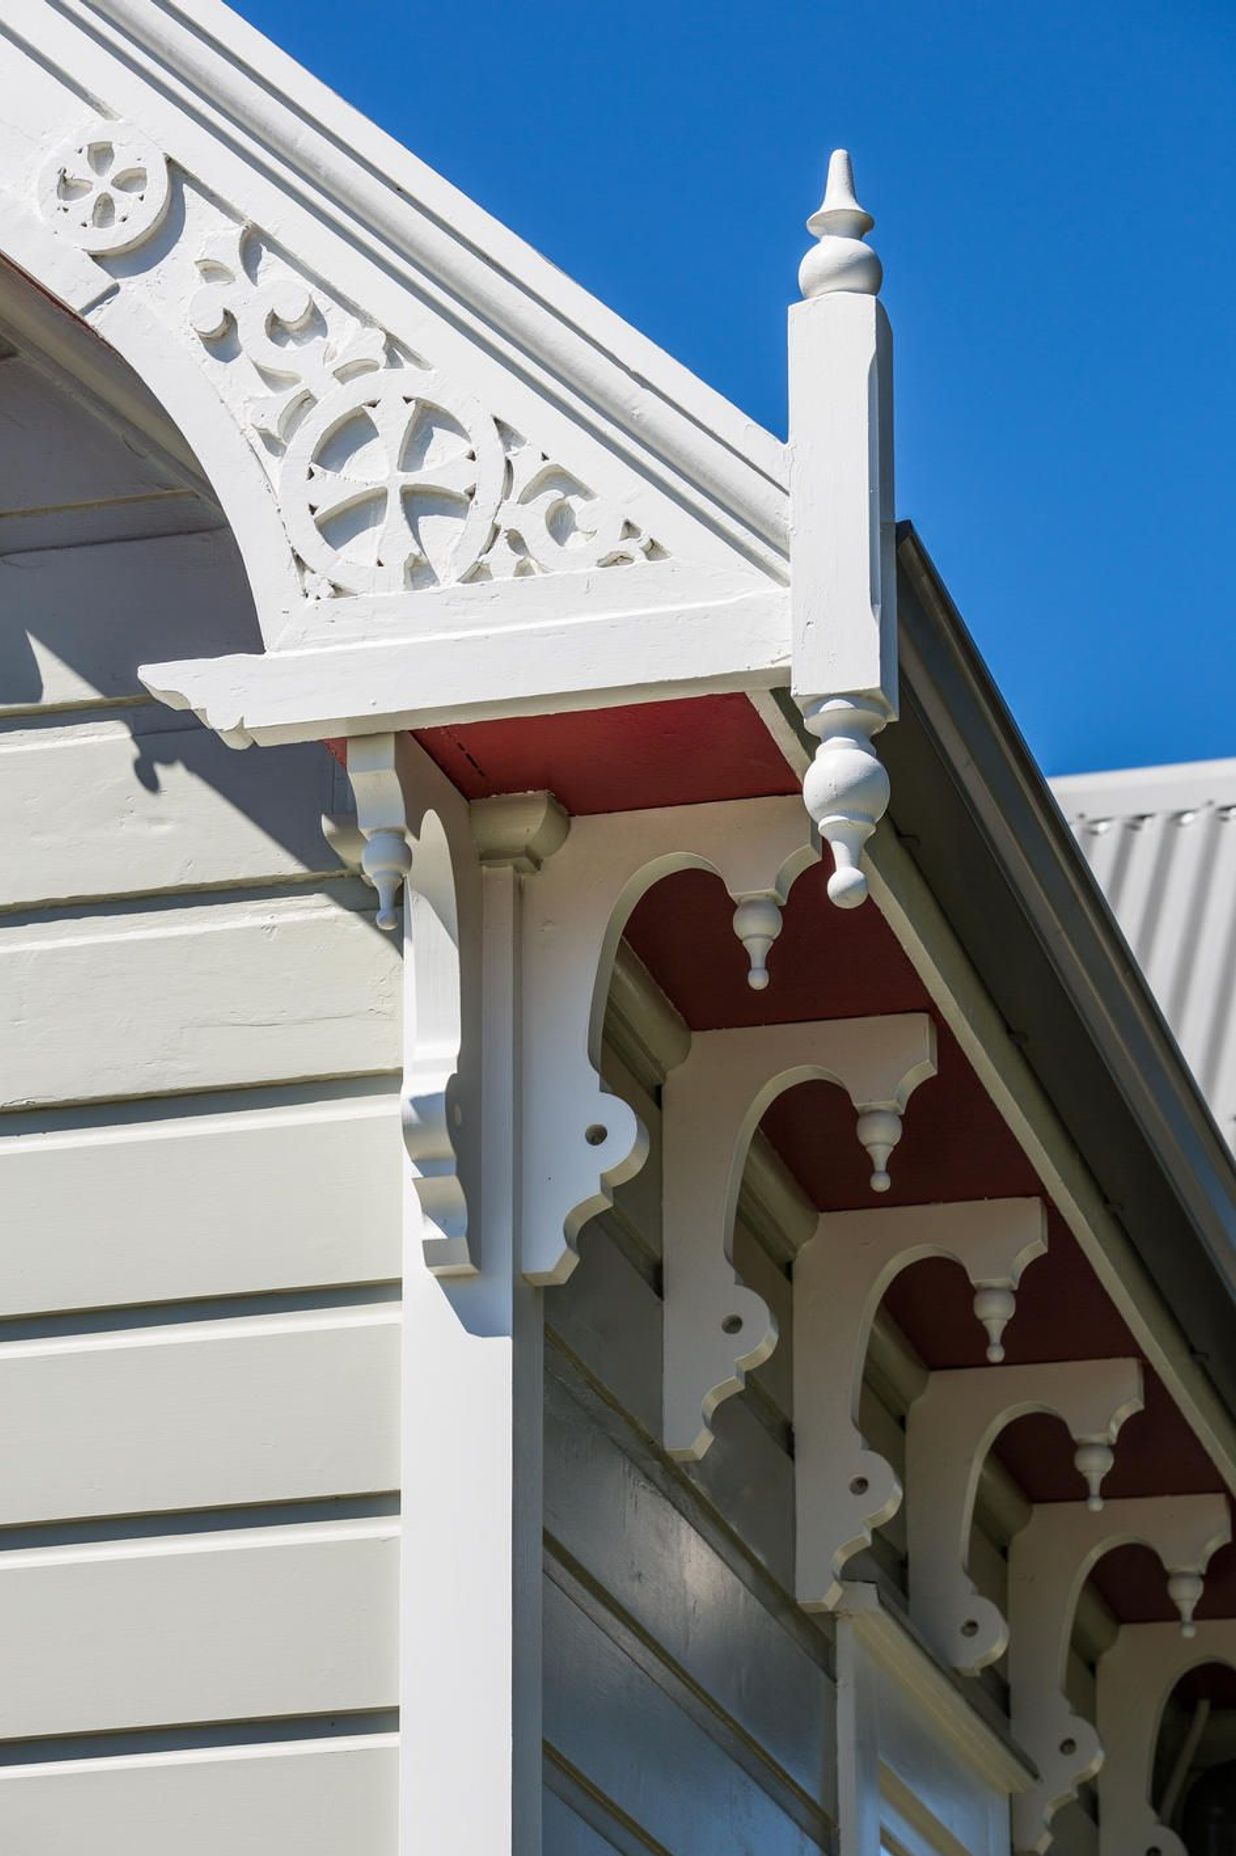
(391, 481)
(391, 477)
(107, 190)
(277, 323)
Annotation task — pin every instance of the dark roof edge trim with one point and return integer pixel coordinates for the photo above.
(1031, 841)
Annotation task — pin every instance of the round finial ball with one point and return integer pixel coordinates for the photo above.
(840, 264)
(847, 888)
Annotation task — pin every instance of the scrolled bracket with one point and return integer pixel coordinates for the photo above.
(581, 1140)
(416, 842)
(712, 1104)
(841, 1275)
(1049, 1563)
(1134, 1681)
(949, 1432)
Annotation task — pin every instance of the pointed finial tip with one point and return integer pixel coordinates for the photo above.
(840, 261)
(839, 193)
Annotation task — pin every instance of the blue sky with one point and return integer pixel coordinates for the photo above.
(1055, 188)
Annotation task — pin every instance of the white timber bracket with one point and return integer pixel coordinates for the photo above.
(716, 1330)
(949, 1431)
(841, 1274)
(473, 1331)
(843, 571)
(1134, 1682)
(581, 1140)
(1049, 1562)
(472, 1749)
(415, 831)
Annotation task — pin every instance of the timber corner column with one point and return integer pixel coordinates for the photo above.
(843, 573)
(470, 1626)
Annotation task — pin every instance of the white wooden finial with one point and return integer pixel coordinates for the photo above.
(1094, 1458)
(846, 789)
(843, 574)
(841, 260)
(757, 923)
(1184, 1590)
(995, 1304)
(879, 1130)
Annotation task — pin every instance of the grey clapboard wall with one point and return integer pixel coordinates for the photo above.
(199, 1318)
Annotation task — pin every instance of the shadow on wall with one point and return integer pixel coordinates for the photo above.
(76, 620)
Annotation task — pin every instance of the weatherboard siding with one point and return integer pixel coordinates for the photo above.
(199, 1143)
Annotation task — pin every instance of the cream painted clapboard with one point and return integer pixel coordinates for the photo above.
(314, 1798)
(56, 453)
(287, 1196)
(157, 803)
(254, 1624)
(269, 1408)
(200, 997)
(75, 623)
(198, 1079)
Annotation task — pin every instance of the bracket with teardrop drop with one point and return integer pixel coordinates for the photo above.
(1134, 1681)
(1050, 1560)
(715, 1330)
(417, 839)
(841, 1275)
(581, 1140)
(949, 1432)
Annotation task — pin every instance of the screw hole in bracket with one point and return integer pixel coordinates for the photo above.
(732, 1324)
(596, 1135)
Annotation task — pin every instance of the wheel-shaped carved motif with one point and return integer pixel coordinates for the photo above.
(107, 191)
(392, 483)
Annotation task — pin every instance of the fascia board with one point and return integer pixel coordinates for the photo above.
(372, 191)
(952, 697)
(600, 661)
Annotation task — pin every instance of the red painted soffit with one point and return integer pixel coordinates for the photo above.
(830, 963)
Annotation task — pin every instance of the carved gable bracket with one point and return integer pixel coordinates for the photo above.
(390, 473)
(1134, 1681)
(582, 1141)
(1049, 1562)
(715, 1330)
(416, 841)
(949, 1432)
(841, 1275)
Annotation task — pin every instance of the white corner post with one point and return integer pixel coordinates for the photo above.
(843, 570)
(470, 1623)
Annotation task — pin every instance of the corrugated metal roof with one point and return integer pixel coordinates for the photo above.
(1162, 843)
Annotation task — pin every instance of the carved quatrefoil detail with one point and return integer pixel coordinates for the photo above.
(392, 476)
(392, 481)
(107, 191)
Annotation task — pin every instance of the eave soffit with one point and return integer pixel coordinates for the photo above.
(390, 393)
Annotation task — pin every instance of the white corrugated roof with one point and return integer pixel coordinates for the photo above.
(1162, 843)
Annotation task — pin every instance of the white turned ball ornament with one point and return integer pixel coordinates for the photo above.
(846, 789)
(1184, 1590)
(1094, 1459)
(757, 923)
(840, 260)
(879, 1130)
(995, 1306)
(386, 861)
